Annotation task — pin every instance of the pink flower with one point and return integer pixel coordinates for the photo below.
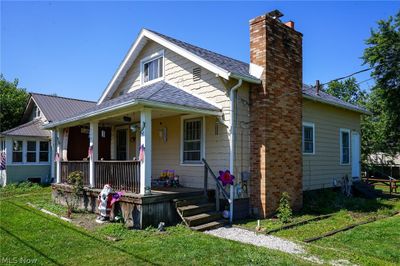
(226, 177)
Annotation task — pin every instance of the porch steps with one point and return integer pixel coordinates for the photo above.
(199, 214)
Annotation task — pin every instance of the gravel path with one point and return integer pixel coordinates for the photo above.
(249, 237)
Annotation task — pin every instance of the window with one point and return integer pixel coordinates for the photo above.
(44, 151)
(192, 140)
(344, 146)
(308, 138)
(17, 151)
(36, 112)
(31, 152)
(152, 69)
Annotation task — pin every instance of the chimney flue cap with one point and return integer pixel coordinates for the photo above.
(276, 14)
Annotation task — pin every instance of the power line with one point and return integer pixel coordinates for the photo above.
(364, 81)
(352, 74)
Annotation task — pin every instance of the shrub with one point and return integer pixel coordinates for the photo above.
(75, 180)
(284, 211)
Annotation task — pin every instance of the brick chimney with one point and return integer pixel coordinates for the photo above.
(276, 114)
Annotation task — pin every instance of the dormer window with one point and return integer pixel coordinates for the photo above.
(153, 67)
(36, 112)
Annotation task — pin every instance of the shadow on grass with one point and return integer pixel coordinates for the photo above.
(70, 227)
(327, 201)
(29, 245)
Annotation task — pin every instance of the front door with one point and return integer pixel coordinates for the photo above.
(122, 146)
(355, 155)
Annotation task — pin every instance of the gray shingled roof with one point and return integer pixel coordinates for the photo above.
(30, 129)
(159, 92)
(229, 64)
(57, 108)
(321, 96)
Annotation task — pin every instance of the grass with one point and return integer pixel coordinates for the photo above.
(371, 244)
(30, 234)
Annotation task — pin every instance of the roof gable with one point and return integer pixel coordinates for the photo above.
(56, 108)
(222, 66)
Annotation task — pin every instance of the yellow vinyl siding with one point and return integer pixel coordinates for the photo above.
(320, 169)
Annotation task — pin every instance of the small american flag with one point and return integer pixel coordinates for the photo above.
(57, 157)
(90, 152)
(2, 161)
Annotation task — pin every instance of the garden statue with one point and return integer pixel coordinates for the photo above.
(104, 201)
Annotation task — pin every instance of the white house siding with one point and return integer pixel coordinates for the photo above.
(179, 71)
(321, 169)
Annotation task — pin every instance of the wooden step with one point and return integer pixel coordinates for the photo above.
(190, 201)
(202, 218)
(209, 226)
(190, 210)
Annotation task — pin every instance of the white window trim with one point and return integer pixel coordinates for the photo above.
(308, 124)
(203, 139)
(25, 152)
(340, 147)
(156, 55)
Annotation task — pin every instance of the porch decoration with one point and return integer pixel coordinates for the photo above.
(104, 201)
(90, 151)
(141, 153)
(226, 177)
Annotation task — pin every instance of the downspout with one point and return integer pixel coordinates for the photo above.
(232, 142)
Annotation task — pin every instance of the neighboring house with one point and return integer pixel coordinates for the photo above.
(171, 104)
(27, 147)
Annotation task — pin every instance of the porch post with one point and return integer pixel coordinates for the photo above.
(145, 140)
(53, 154)
(113, 144)
(59, 133)
(93, 145)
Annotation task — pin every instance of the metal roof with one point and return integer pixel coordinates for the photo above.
(30, 129)
(323, 97)
(56, 108)
(159, 92)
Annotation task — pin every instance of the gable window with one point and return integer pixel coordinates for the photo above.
(152, 67)
(344, 146)
(308, 138)
(17, 151)
(44, 151)
(192, 140)
(31, 151)
(36, 112)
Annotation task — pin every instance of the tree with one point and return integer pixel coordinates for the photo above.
(12, 103)
(383, 56)
(347, 90)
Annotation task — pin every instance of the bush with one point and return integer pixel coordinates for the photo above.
(284, 211)
(75, 180)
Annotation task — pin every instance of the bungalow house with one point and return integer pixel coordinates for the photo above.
(176, 109)
(26, 149)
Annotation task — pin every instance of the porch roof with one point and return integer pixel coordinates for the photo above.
(160, 94)
(30, 129)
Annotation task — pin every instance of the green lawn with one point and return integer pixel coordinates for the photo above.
(376, 243)
(30, 234)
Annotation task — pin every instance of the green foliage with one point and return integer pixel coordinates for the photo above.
(383, 55)
(12, 103)
(348, 90)
(284, 211)
(75, 180)
(20, 188)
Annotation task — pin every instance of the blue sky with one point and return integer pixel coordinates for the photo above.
(73, 48)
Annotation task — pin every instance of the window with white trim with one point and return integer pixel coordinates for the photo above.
(152, 69)
(17, 151)
(308, 138)
(344, 146)
(31, 151)
(192, 140)
(44, 151)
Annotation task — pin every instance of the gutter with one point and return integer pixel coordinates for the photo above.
(232, 142)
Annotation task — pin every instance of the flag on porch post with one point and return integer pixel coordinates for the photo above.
(141, 153)
(90, 151)
(3, 161)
